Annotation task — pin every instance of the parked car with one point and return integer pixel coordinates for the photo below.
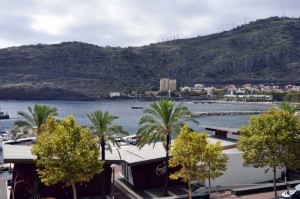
(295, 194)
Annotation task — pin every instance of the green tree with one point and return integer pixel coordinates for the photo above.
(68, 153)
(107, 134)
(288, 107)
(34, 121)
(187, 152)
(216, 161)
(162, 121)
(271, 140)
(293, 96)
(198, 159)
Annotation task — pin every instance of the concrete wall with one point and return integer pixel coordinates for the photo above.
(236, 173)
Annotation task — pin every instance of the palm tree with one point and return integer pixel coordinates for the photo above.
(160, 122)
(107, 133)
(36, 118)
(289, 107)
(34, 121)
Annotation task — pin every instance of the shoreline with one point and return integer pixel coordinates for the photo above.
(234, 102)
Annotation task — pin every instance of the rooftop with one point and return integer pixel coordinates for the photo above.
(129, 153)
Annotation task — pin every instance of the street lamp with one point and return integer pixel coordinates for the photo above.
(113, 166)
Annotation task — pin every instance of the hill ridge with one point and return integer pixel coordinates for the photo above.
(266, 50)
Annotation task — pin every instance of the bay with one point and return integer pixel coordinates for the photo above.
(128, 117)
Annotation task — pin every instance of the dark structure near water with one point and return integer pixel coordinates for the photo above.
(24, 174)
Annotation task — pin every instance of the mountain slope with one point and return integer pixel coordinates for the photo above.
(266, 50)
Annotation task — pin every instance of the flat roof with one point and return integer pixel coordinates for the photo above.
(17, 153)
(216, 128)
(129, 153)
(22, 154)
(133, 155)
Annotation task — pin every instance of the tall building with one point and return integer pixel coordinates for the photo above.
(168, 84)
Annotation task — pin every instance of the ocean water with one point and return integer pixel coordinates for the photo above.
(128, 117)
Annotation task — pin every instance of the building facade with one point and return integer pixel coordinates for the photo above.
(168, 84)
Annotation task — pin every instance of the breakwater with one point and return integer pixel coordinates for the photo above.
(212, 113)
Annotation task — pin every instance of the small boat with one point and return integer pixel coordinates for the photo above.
(137, 107)
(3, 115)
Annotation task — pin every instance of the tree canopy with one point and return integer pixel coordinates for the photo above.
(288, 107)
(271, 140)
(162, 121)
(67, 153)
(38, 115)
(198, 159)
(106, 133)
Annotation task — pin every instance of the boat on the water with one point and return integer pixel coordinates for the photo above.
(3, 115)
(137, 107)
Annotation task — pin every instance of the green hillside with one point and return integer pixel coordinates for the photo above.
(266, 50)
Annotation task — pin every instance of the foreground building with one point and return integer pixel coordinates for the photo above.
(24, 174)
(143, 169)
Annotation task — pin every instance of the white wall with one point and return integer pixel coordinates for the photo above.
(130, 178)
(236, 173)
(230, 135)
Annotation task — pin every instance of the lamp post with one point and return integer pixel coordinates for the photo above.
(113, 166)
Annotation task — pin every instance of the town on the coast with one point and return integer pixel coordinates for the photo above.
(244, 93)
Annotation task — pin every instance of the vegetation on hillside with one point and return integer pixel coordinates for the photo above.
(266, 50)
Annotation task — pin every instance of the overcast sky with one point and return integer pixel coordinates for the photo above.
(128, 22)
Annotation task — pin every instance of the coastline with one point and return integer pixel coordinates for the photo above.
(234, 102)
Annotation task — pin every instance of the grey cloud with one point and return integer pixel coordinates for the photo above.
(132, 22)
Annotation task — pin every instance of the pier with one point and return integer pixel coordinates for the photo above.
(211, 113)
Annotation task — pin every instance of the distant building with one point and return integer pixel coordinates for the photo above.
(295, 88)
(199, 87)
(248, 86)
(115, 94)
(210, 90)
(185, 88)
(267, 88)
(168, 84)
(230, 88)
